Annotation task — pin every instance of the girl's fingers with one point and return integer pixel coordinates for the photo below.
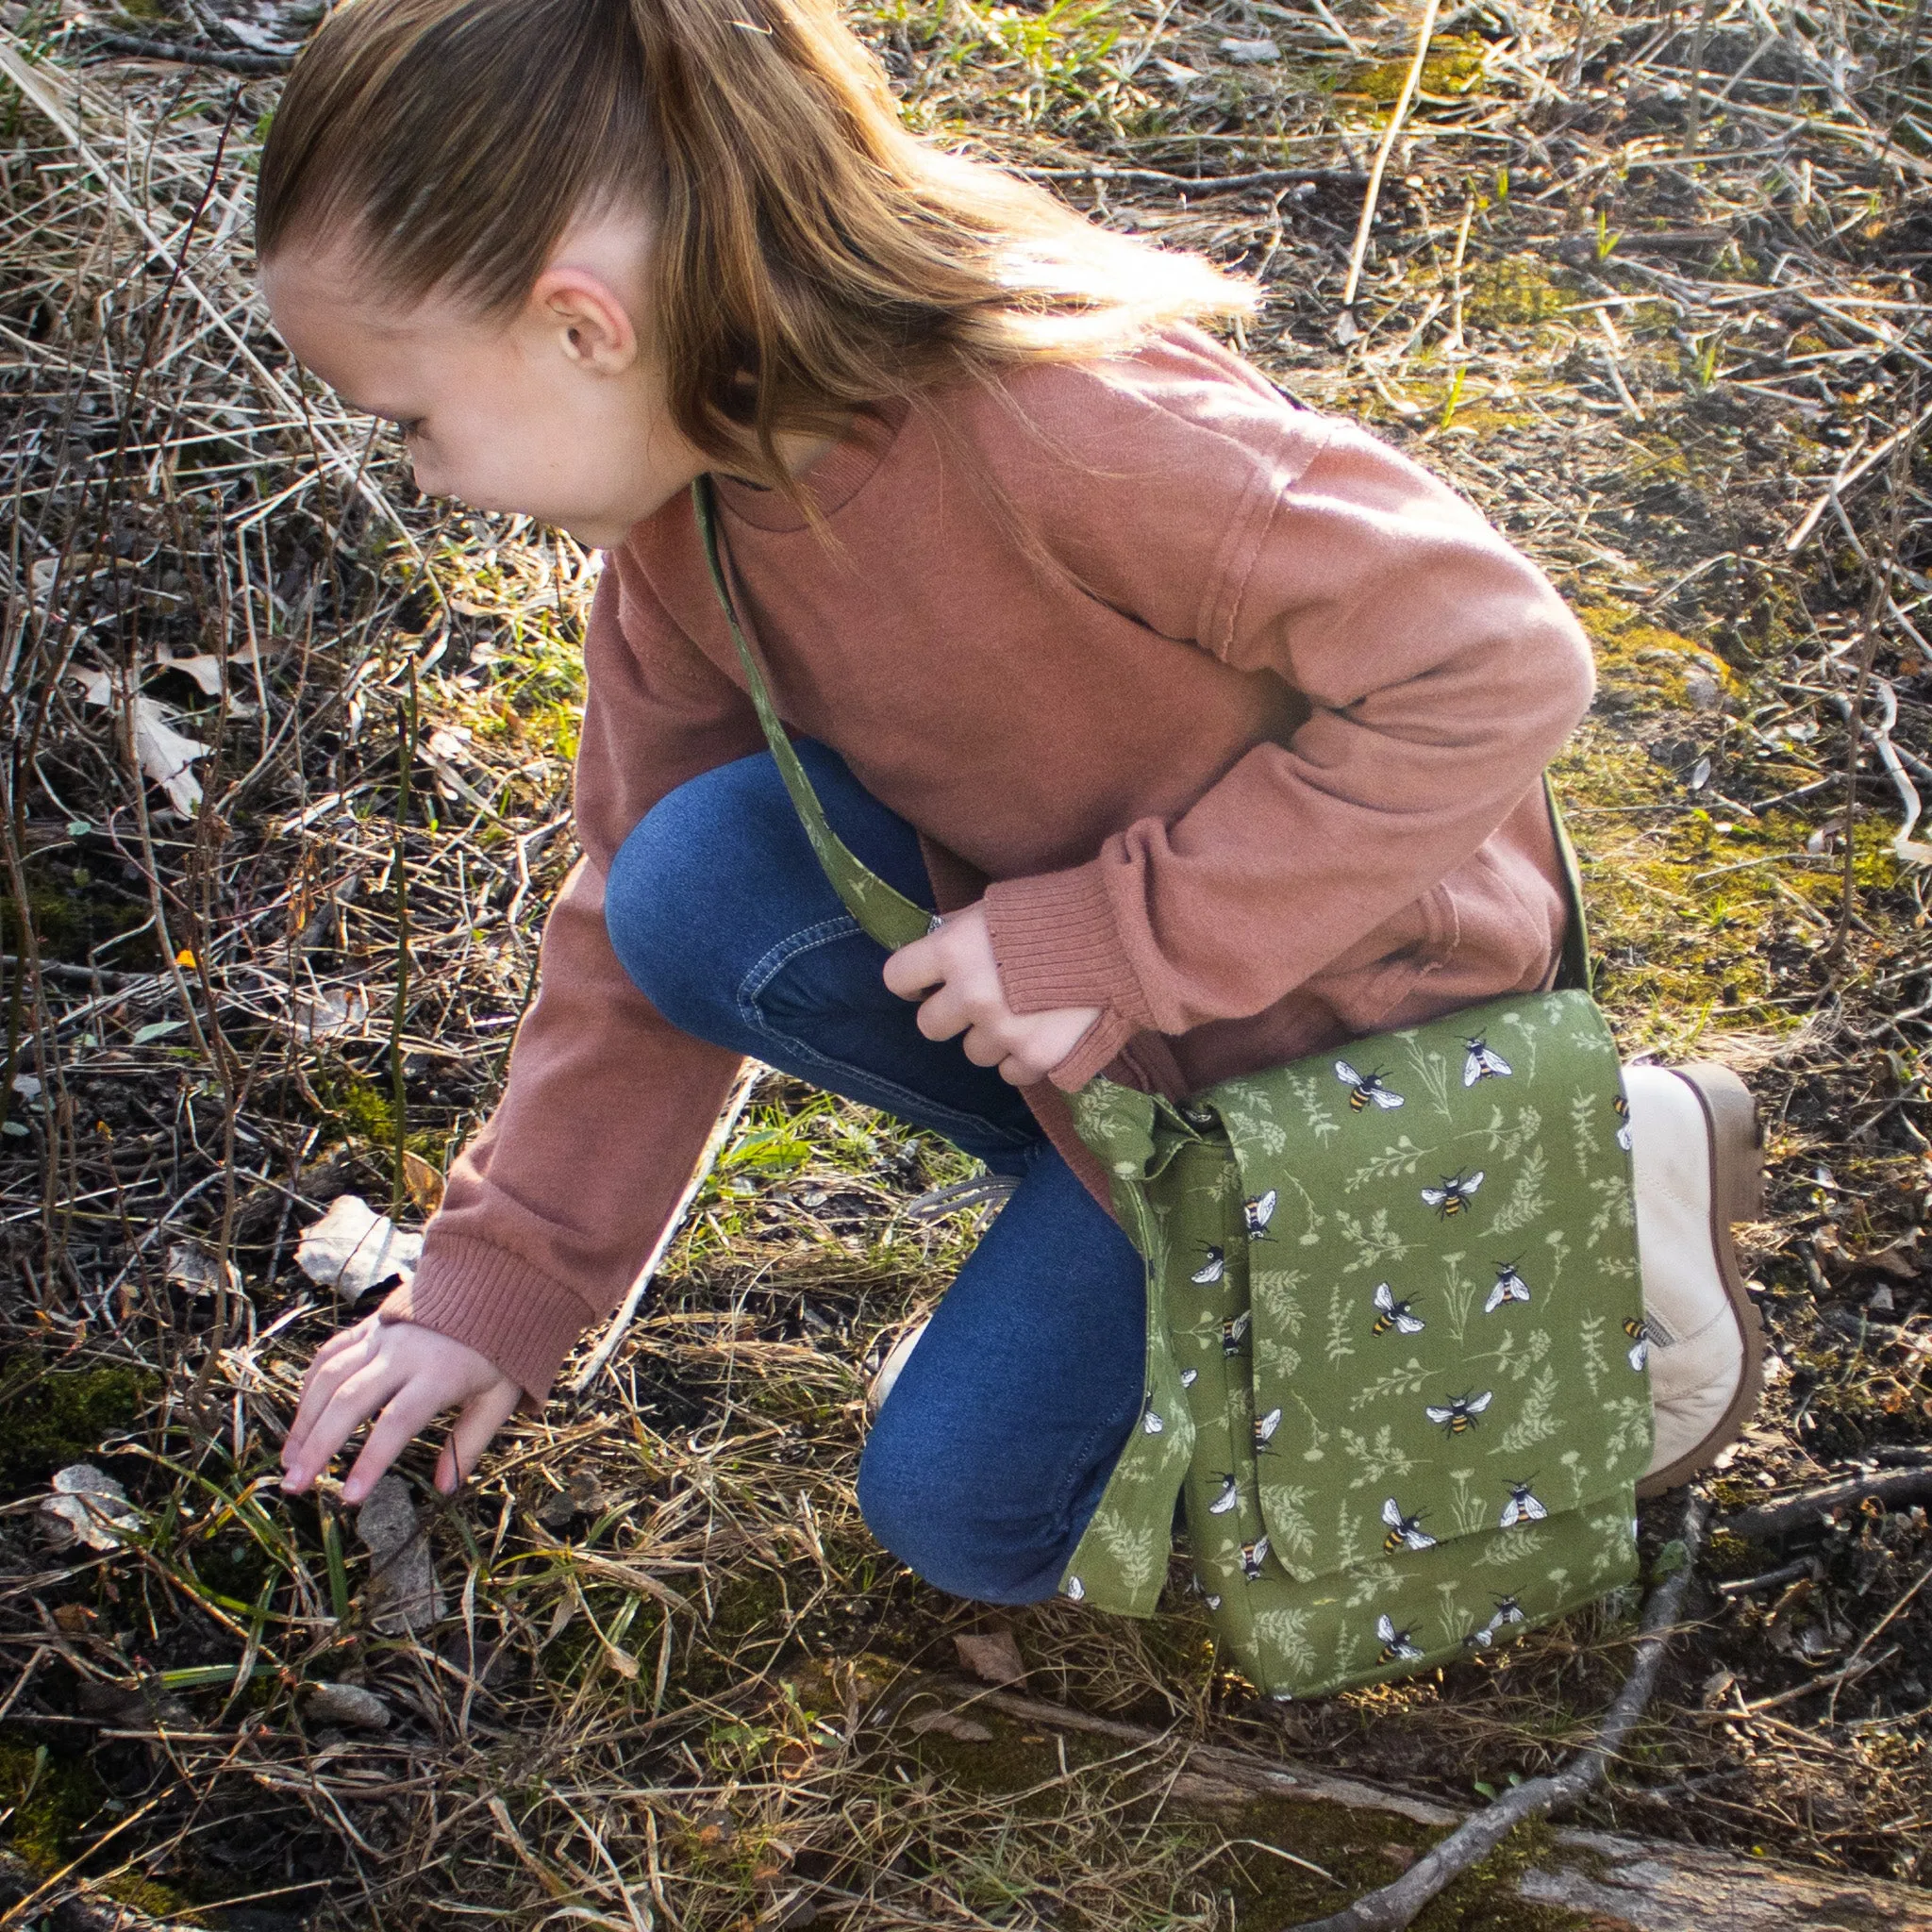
(326, 1373)
(413, 1408)
(482, 1416)
(352, 1405)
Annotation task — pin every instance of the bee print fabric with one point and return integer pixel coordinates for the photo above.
(1396, 1367)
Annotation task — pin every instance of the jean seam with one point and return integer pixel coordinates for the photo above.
(1080, 1467)
(792, 947)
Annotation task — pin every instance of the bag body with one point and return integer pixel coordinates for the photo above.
(1396, 1363)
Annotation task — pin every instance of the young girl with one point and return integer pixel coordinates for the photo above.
(1214, 727)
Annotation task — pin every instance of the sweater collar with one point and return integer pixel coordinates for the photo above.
(833, 481)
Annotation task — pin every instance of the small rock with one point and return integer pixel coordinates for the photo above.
(1703, 691)
(403, 1593)
(991, 1655)
(1249, 53)
(346, 1704)
(88, 1506)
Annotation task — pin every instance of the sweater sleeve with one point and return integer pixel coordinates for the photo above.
(550, 1209)
(1441, 671)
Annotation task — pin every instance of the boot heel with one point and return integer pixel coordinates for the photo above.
(1737, 1141)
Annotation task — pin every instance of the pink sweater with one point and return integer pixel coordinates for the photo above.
(1247, 755)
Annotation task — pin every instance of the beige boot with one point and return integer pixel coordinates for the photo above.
(896, 1358)
(1696, 1150)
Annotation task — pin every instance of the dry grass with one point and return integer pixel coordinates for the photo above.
(1645, 283)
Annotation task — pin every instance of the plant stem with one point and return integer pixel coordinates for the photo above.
(399, 1097)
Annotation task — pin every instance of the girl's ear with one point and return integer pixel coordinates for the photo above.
(586, 318)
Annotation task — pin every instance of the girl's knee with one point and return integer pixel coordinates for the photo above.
(934, 1519)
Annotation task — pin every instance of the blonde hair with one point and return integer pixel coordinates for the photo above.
(810, 258)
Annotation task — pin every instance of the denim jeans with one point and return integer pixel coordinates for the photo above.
(995, 1443)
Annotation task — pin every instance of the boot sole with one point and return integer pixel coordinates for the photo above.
(1737, 1193)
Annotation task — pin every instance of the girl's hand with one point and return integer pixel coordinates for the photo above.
(952, 973)
(411, 1375)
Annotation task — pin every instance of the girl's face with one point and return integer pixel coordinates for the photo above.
(558, 412)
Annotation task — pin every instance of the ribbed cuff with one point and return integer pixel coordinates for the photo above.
(496, 1304)
(1057, 944)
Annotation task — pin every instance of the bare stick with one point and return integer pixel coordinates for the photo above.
(721, 1133)
(1397, 115)
(1396, 1905)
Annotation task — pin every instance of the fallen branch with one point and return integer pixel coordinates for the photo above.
(1394, 1906)
(1811, 1508)
(257, 66)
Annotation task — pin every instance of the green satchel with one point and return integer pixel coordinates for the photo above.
(1396, 1360)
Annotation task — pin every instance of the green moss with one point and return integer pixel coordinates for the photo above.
(58, 1416)
(1643, 660)
(51, 1799)
(1512, 293)
(1454, 66)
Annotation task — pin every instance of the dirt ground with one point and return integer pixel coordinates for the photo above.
(1645, 283)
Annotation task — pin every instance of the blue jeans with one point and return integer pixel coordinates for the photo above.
(995, 1443)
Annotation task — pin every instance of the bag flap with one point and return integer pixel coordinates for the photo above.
(1446, 1308)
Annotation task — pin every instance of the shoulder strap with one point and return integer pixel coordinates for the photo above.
(884, 912)
(1573, 965)
(888, 914)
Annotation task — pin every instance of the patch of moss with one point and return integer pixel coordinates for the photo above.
(1512, 293)
(1455, 65)
(50, 1798)
(1643, 660)
(58, 1416)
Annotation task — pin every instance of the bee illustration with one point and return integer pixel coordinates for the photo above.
(1233, 1331)
(1198, 1116)
(1259, 1210)
(1230, 1494)
(1480, 1640)
(1623, 1108)
(1075, 1588)
(1188, 1378)
(1520, 1507)
(1150, 1421)
(1253, 1556)
(1511, 1286)
(1212, 1268)
(1483, 1062)
(1390, 1313)
(1508, 1612)
(1405, 1532)
(1639, 1332)
(1459, 1413)
(1452, 1197)
(1395, 1643)
(1213, 1602)
(1265, 1426)
(1364, 1087)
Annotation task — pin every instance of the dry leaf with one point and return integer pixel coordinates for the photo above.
(190, 1266)
(163, 754)
(355, 1249)
(991, 1655)
(88, 1506)
(949, 1724)
(329, 1012)
(422, 1180)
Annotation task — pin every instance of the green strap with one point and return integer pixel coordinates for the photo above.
(887, 914)
(1573, 965)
